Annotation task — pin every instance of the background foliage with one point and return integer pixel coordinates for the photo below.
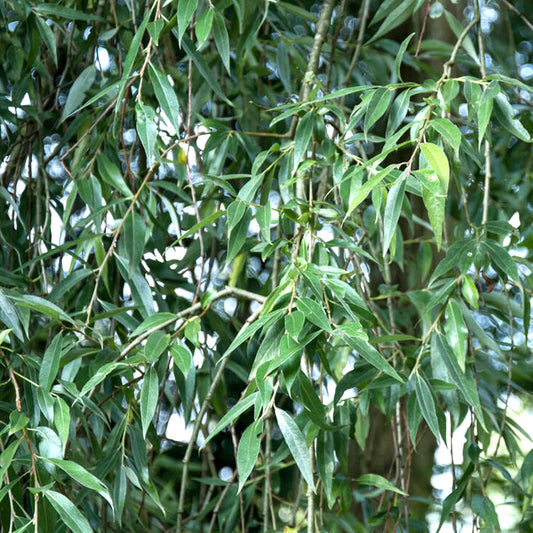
(294, 237)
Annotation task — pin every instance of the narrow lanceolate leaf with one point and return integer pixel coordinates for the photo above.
(68, 512)
(78, 91)
(248, 451)
(505, 114)
(165, 95)
(146, 129)
(400, 54)
(133, 237)
(456, 331)
(379, 103)
(202, 28)
(438, 162)
(426, 404)
(50, 363)
(62, 420)
(128, 67)
(464, 382)
(9, 316)
(501, 258)
(186, 9)
(220, 34)
(295, 441)
(149, 397)
(448, 131)
(41, 305)
(380, 482)
(204, 69)
(435, 201)
(362, 192)
(325, 458)
(484, 112)
(156, 344)
(392, 211)
(82, 476)
(314, 312)
(237, 410)
(372, 356)
(303, 134)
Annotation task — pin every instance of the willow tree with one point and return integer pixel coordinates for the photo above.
(302, 233)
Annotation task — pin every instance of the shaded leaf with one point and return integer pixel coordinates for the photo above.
(248, 451)
(296, 443)
(149, 398)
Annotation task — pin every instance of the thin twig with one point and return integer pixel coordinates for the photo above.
(197, 424)
(363, 18)
(486, 147)
(510, 6)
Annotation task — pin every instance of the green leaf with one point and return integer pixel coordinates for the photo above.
(248, 451)
(505, 114)
(182, 357)
(203, 69)
(82, 476)
(377, 107)
(68, 283)
(401, 12)
(380, 482)
(156, 344)
(449, 132)
(61, 12)
(237, 410)
(202, 28)
(325, 458)
(146, 129)
(134, 238)
(237, 236)
(186, 9)
(40, 305)
(154, 321)
(464, 383)
(296, 443)
(400, 54)
(364, 190)
(47, 35)
(393, 210)
(426, 404)
(220, 33)
(314, 312)
(68, 512)
(62, 420)
(166, 96)
(263, 217)
(501, 259)
(100, 375)
(6, 457)
(9, 316)
(50, 363)
(128, 68)
(458, 29)
(303, 134)
(482, 506)
(149, 398)
(294, 323)
(78, 91)
(438, 162)
(435, 202)
(484, 112)
(371, 355)
(110, 173)
(456, 331)
(398, 112)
